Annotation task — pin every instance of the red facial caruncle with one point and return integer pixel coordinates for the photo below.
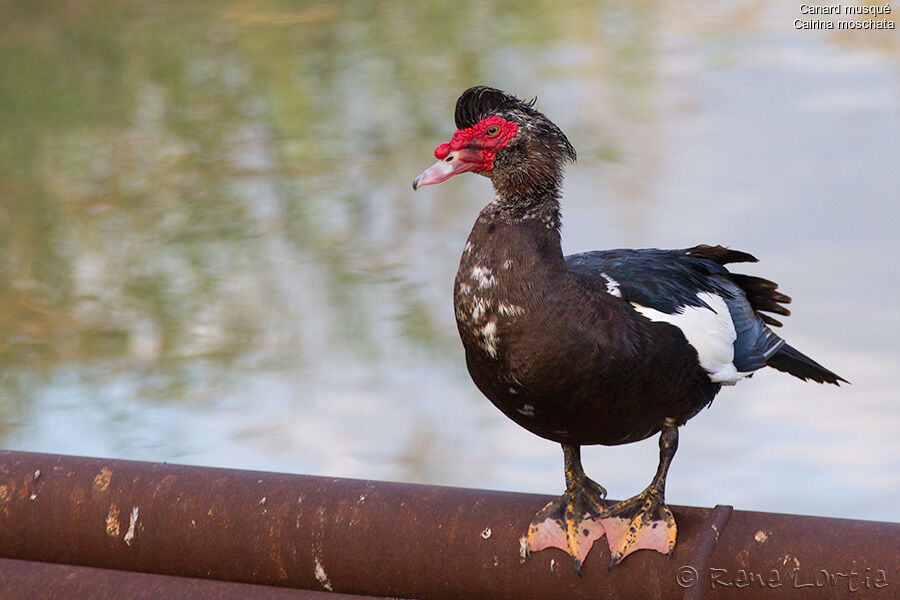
(470, 149)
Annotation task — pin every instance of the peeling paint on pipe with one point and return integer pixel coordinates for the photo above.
(404, 541)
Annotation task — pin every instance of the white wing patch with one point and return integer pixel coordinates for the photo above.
(710, 332)
(612, 286)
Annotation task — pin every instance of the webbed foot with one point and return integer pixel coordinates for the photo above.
(566, 522)
(641, 522)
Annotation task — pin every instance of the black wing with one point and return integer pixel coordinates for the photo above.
(669, 280)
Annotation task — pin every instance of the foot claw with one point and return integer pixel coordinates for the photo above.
(615, 560)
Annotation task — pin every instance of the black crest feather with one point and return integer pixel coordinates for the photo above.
(480, 101)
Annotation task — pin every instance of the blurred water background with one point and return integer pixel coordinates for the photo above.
(210, 252)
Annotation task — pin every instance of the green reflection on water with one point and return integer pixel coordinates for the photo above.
(165, 166)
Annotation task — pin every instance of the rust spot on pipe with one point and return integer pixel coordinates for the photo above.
(25, 489)
(101, 481)
(4, 500)
(77, 496)
(112, 521)
(164, 487)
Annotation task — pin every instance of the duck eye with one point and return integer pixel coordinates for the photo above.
(492, 131)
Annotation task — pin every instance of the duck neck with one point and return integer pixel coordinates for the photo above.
(535, 217)
(529, 191)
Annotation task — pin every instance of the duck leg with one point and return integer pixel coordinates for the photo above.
(566, 522)
(644, 521)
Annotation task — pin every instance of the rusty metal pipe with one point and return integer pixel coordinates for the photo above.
(401, 540)
(29, 580)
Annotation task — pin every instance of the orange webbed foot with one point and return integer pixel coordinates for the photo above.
(566, 522)
(643, 522)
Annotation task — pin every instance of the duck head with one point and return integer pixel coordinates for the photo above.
(505, 139)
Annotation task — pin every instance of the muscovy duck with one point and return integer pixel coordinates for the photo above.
(607, 347)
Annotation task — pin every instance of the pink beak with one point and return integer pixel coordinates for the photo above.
(444, 169)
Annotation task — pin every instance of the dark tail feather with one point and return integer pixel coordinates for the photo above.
(790, 360)
(763, 295)
(720, 254)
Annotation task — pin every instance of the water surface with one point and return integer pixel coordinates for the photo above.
(211, 253)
